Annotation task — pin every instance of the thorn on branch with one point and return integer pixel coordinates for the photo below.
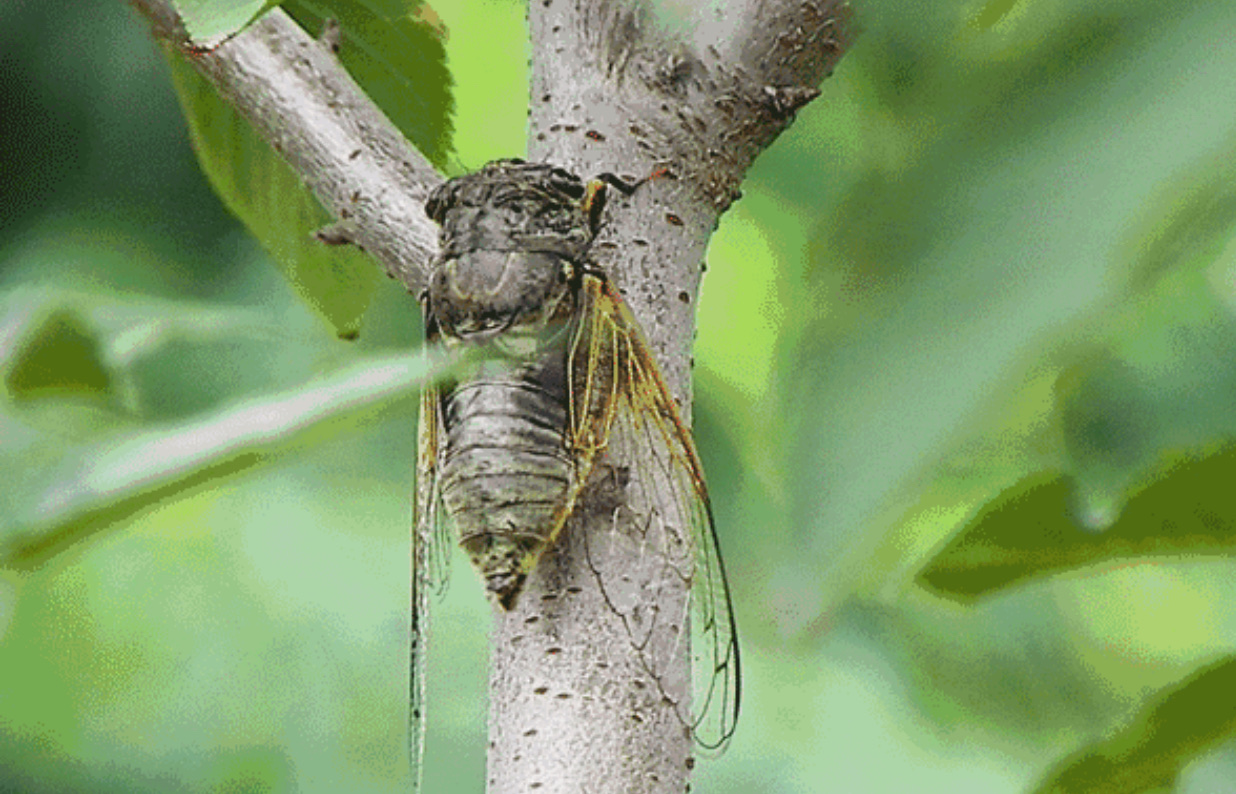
(787, 100)
(340, 233)
(332, 35)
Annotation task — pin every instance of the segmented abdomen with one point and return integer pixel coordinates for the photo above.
(506, 467)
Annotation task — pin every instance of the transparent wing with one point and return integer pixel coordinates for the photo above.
(431, 548)
(433, 534)
(620, 405)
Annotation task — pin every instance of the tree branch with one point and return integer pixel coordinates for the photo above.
(304, 104)
(573, 706)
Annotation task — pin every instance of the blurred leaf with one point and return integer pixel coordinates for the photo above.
(393, 49)
(1163, 375)
(1192, 219)
(153, 359)
(977, 256)
(1027, 532)
(210, 22)
(249, 631)
(1000, 666)
(255, 770)
(1161, 378)
(1011, 437)
(1179, 724)
(96, 485)
(181, 365)
(59, 355)
(992, 12)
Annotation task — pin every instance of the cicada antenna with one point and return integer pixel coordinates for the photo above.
(596, 189)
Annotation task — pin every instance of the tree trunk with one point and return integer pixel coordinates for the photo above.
(614, 89)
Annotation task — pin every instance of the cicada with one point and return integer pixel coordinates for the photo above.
(564, 377)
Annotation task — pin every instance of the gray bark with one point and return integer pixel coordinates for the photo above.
(574, 708)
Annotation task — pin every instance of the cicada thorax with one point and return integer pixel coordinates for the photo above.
(507, 280)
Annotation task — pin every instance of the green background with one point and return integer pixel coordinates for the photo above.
(966, 372)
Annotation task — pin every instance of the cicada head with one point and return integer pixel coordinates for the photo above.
(513, 235)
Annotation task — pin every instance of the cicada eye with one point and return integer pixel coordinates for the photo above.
(439, 201)
(566, 182)
(517, 212)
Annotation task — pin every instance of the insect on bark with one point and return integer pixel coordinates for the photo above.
(565, 378)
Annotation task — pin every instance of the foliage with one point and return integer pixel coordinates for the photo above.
(963, 394)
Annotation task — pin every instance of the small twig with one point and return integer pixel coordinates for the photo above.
(331, 35)
(341, 233)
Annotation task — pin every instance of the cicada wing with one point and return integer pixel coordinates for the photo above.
(431, 545)
(433, 535)
(620, 405)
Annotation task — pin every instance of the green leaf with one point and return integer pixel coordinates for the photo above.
(57, 354)
(1029, 532)
(1164, 377)
(255, 184)
(206, 359)
(210, 22)
(391, 49)
(94, 485)
(1178, 725)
